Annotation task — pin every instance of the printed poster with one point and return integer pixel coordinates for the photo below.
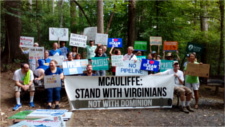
(26, 41)
(52, 81)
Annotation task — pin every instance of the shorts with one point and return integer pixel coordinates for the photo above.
(31, 88)
(194, 86)
(182, 90)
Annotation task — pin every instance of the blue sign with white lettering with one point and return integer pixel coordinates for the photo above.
(150, 65)
(115, 42)
(74, 67)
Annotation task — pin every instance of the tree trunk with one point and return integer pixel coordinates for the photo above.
(73, 17)
(53, 6)
(13, 30)
(110, 19)
(131, 23)
(203, 16)
(30, 2)
(100, 19)
(38, 22)
(60, 2)
(221, 60)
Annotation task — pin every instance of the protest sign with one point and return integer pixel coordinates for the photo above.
(115, 42)
(55, 121)
(166, 64)
(90, 32)
(141, 57)
(155, 40)
(101, 39)
(36, 53)
(78, 40)
(26, 41)
(130, 68)
(52, 81)
(74, 67)
(117, 60)
(58, 59)
(150, 65)
(170, 45)
(119, 92)
(193, 47)
(58, 34)
(140, 45)
(201, 70)
(100, 63)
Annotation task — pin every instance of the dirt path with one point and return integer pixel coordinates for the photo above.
(210, 112)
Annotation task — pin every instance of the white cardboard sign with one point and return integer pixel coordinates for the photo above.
(36, 53)
(90, 32)
(26, 41)
(78, 40)
(117, 60)
(58, 34)
(101, 39)
(52, 81)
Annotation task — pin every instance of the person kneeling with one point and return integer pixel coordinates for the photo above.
(23, 78)
(179, 88)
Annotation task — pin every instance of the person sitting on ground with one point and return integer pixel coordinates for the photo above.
(130, 55)
(74, 51)
(181, 90)
(89, 71)
(116, 52)
(53, 94)
(23, 78)
(43, 65)
(55, 51)
(69, 56)
(99, 53)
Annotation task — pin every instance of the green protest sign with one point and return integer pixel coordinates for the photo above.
(100, 63)
(193, 47)
(140, 45)
(141, 57)
(166, 64)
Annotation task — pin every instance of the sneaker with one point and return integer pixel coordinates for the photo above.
(31, 104)
(17, 107)
(190, 109)
(184, 110)
(49, 107)
(56, 106)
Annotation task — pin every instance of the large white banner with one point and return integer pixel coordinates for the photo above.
(90, 32)
(130, 68)
(119, 92)
(36, 53)
(26, 41)
(78, 40)
(101, 39)
(58, 34)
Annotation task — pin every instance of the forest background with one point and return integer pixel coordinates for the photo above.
(196, 21)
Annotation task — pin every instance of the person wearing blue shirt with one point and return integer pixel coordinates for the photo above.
(55, 51)
(53, 94)
(63, 48)
(43, 64)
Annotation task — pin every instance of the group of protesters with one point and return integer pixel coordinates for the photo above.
(24, 77)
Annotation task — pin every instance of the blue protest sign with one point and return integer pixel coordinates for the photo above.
(74, 67)
(115, 42)
(150, 65)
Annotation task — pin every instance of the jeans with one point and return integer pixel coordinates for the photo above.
(53, 94)
(101, 73)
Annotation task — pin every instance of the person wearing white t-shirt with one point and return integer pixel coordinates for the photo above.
(23, 78)
(179, 88)
(130, 55)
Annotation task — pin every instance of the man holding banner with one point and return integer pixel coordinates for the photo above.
(179, 88)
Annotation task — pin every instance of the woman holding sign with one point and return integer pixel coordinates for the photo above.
(192, 82)
(53, 94)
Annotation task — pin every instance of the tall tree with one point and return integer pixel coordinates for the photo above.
(131, 22)
(100, 19)
(203, 16)
(73, 17)
(60, 4)
(13, 29)
(221, 62)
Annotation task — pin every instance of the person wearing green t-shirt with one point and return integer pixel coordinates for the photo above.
(192, 82)
(91, 50)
